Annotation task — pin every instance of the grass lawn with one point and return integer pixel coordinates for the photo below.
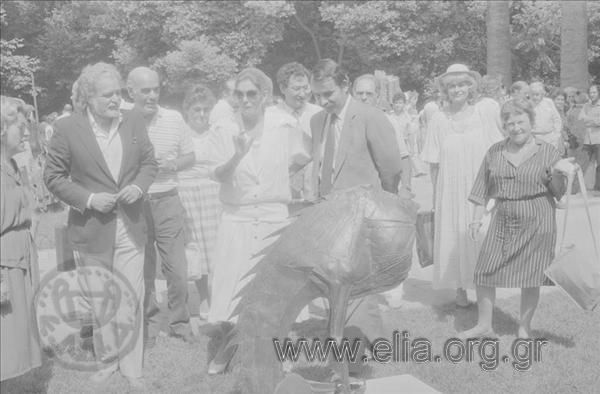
(569, 361)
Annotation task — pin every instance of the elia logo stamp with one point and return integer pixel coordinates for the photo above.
(88, 318)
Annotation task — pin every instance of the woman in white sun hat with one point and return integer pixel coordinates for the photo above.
(458, 137)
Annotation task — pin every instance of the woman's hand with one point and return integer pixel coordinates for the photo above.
(242, 144)
(566, 166)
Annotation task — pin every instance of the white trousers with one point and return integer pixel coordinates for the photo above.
(114, 296)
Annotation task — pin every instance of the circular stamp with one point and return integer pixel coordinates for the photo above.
(88, 318)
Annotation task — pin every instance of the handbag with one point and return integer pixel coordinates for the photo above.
(424, 237)
(575, 272)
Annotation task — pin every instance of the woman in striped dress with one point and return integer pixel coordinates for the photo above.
(520, 174)
(199, 194)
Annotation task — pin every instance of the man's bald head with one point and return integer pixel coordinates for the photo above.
(537, 92)
(143, 86)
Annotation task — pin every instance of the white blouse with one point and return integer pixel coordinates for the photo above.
(260, 186)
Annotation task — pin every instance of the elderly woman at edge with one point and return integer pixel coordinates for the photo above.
(520, 174)
(18, 268)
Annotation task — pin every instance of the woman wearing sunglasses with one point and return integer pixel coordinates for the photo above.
(257, 154)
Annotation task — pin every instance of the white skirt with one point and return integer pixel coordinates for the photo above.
(238, 240)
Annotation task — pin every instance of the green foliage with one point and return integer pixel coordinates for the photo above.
(15, 69)
(209, 40)
(414, 40)
(196, 60)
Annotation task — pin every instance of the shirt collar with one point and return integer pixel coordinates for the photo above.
(96, 128)
(342, 113)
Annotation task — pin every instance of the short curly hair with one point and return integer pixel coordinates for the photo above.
(289, 70)
(85, 86)
(198, 93)
(10, 109)
(517, 106)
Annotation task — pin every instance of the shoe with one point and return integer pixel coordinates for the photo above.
(219, 364)
(461, 299)
(136, 384)
(103, 375)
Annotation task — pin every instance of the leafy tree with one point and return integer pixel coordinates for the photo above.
(16, 70)
(412, 39)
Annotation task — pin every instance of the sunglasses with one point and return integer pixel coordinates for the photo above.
(250, 94)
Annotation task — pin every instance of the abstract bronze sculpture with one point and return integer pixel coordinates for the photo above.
(354, 243)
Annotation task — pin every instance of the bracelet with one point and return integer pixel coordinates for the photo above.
(479, 222)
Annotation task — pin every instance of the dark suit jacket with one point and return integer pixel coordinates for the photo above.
(75, 168)
(367, 151)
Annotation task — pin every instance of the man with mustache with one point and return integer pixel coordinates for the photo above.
(173, 147)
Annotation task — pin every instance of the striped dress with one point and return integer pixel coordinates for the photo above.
(521, 239)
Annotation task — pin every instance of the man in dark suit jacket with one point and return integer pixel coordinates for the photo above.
(361, 148)
(101, 162)
(352, 144)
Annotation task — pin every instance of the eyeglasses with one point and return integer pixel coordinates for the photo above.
(250, 94)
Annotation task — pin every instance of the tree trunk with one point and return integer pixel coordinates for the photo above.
(498, 41)
(573, 45)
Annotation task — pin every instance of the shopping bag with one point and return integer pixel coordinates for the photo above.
(575, 272)
(425, 233)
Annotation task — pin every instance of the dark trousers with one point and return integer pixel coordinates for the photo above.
(165, 218)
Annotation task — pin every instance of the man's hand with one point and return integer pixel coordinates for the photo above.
(405, 192)
(103, 202)
(129, 194)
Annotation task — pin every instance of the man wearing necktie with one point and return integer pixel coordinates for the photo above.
(352, 144)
